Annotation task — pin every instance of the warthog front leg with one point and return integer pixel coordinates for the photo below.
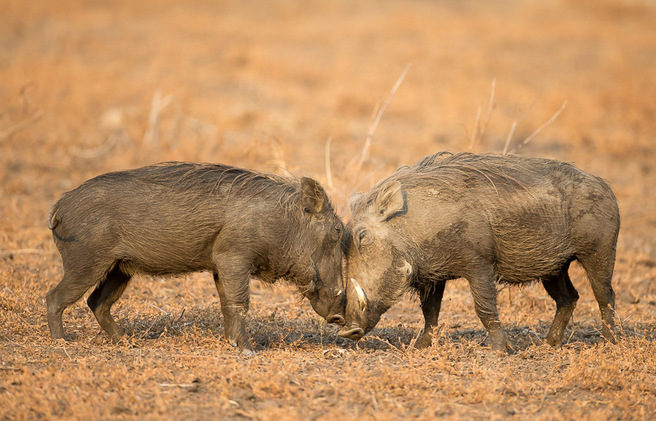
(431, 301)
(234, 295)
(484, 292)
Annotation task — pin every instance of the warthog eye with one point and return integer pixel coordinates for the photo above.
(362, 237)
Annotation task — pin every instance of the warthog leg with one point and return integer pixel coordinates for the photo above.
(431, 301)
(79, 275)
(233, 288)
(560, 288)
(484, 292)
(104, 296)
(599, 267)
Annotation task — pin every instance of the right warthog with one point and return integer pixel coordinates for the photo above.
(183, 217)
(486, 218)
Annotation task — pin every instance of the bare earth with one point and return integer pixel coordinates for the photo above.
(89, 87)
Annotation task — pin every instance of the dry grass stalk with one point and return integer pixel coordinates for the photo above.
(539, 129)
(329, 173)
(474, 133)
(97, 151)
(21, 125)
(510, 135)
(353, 168)
(157, 106)
(279, 162)
(364, 154)
(479, 129)
(180, 385)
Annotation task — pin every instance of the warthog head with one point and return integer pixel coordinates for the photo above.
(322, 237)
(377, 267)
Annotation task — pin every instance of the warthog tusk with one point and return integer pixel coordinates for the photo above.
(362, 297)
(338, 293)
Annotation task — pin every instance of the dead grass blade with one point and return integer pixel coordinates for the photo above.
(158, 104)
(329, 173)
(279, 162)
(21, 125)
(479, 129)
(378, 114)
(510, 135)
(96, 152)
(180, 385)
(539, 129)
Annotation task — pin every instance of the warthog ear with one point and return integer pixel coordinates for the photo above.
(313, 198)
(391, 201)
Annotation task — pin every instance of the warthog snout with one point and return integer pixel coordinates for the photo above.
(351, 332)
(338, 319)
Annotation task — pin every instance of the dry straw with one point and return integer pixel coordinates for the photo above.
(532, 135)
(158, 105)
(479, 129)
(354, 167)
(21, 125)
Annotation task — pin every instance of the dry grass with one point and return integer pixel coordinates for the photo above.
(89, 87)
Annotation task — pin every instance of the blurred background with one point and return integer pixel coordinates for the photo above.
(93, 86)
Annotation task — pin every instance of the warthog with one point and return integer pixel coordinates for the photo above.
(174, 218)
(485, 218)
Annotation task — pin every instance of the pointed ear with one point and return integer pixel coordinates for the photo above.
(313, 197)
(391, 201)
(353, 201)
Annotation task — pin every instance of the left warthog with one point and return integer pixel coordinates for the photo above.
(485, 218)
(182, 217)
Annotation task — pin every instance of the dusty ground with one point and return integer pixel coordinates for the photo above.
(89, 87)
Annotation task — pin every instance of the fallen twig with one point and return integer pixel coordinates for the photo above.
(67, 354)
(157, 308)
(181, 385)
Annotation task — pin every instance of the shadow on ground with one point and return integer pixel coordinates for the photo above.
(273, 332)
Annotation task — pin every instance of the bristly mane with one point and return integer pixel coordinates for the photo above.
(448, 171)
(210, 179)
(500, 171)
(447, 168)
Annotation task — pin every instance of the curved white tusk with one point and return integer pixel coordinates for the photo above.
(362, 297)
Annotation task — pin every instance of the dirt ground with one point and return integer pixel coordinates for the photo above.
(89, 86)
